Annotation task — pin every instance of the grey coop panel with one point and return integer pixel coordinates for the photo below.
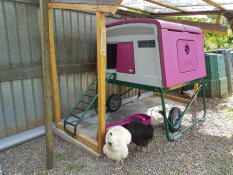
(104, 2)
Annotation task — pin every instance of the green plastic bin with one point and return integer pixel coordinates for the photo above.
(216, 75)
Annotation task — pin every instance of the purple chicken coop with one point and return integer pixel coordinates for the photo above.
(154, 53)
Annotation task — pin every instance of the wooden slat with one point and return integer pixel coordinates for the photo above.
(210, 2)
(81, 137)
(174, 98)
(165, 5)
(48, 107)
(85, 7)
(177, 86)
(36, 71)
(53, 64)
(101, 66)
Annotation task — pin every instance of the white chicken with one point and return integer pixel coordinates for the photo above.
(116, 141)
(189, 93)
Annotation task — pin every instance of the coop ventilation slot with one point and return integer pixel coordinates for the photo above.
(146, 43)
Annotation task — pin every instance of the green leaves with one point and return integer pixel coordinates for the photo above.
(215, 41)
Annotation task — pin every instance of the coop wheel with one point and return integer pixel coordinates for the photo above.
(113, 103)
(173, 117)
(96, 106)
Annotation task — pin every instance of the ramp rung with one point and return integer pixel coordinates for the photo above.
(89, 96)
(73, 115)
(70, 123)
(92, 90)
(80, 109)
(84, 102)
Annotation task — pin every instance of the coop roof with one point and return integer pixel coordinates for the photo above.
(180, 7)
(93, 2)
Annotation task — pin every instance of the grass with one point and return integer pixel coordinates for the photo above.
(223, 164)
(59, 156)
(228, 111)
(45, 173)
(208, 173)
(72, 167)
(157, 137)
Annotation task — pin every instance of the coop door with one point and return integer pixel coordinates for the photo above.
(187, 55)
(125, 58)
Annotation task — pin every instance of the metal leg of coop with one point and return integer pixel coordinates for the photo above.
(167, 123)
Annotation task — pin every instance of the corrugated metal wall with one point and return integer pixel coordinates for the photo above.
(21, 88)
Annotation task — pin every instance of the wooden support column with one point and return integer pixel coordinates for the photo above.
(101, 66)
(54, 76)
(228, 71)
(196, 85)
(229, 17)
(218, 19)
(48, 112)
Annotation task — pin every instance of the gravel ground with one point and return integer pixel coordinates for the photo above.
(207, 149)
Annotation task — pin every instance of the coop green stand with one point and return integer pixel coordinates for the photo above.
(73, 120)
(167, 124)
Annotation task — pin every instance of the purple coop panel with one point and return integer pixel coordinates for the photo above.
(180, 47)
(125, 58)
(182, 53)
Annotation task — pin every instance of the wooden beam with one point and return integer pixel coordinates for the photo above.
(206, 27)
(127, 14)
(118, 2)
(218, 6)
(165, 5)
(101, 66)
(85, 7)
(211, 12)
(81, 137)
(53, 64)
(48, 107)
(213, 31)
(218, 19)
(174, 98)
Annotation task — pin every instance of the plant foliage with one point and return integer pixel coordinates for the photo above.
(213, 41)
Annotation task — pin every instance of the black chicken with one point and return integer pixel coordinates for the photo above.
(141, 134)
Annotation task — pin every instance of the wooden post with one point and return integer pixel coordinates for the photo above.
(46, 81)
(218, 19)
(101, 66)
(228, 70)
(54, 77)
(229, 17)
(196, 85)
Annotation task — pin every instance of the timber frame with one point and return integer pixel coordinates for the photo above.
(206, 27)
(100, 11)
(50, 72)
